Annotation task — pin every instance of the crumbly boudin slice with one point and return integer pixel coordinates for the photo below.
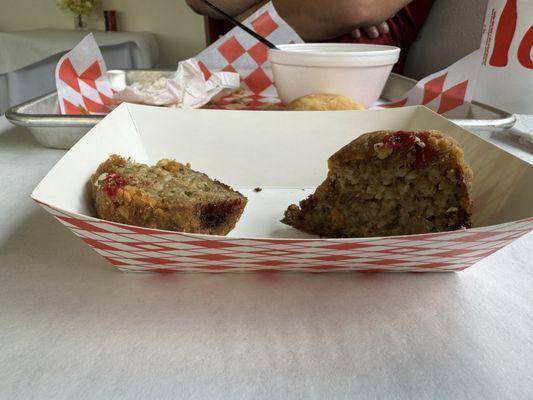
(390, 183)
(168, 196)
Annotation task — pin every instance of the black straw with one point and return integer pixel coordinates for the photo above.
(242, 26)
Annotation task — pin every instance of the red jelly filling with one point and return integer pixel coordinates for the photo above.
(112, 183)
(405, 139)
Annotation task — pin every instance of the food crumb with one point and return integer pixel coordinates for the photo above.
(258, 189)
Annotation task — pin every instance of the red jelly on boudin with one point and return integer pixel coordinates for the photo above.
(405, 139)
(112, 183)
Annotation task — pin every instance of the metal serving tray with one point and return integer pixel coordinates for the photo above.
(51, 129)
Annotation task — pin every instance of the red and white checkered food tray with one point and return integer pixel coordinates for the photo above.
(284, 153)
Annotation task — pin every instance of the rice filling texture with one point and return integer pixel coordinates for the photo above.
(390, 183)
(168, 195)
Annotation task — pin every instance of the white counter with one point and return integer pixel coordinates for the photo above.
(72, 327)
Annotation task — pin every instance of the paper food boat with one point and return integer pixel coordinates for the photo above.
(285, 154)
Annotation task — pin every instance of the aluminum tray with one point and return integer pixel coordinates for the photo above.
(51, 129)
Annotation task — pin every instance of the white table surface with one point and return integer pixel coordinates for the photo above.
(73, 328)
(23, 48)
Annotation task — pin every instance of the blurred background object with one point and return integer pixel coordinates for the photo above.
(178, 30)
(28, 72)
(110, 17)
(35, 33)
(81, 10)
(452, 30)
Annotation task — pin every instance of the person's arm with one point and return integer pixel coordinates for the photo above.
(323, 20)
(315, 19)
(232, 7)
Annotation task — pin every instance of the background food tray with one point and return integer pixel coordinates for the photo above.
(51, 129)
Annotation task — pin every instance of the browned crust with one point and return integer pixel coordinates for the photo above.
(331, 221)
(137, 203)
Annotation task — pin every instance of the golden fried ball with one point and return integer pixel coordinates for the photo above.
(324, 102)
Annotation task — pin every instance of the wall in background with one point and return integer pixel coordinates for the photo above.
(179, 31)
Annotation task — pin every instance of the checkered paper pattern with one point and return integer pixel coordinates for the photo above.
(136, 249)
(446, 90)
(244, 100)
(81, 80)
(237, 51)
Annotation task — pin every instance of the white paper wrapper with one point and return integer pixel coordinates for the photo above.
(186, 89)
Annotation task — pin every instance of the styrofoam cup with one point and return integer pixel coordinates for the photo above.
(358, 71)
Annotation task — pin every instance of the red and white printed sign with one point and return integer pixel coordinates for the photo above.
(81, 80)
(506, 73)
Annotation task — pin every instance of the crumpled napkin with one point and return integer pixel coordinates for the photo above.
(187, 88)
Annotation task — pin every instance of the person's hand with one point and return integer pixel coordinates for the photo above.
(372, 31)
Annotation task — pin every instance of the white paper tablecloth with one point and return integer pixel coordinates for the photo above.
(28, 58)
(72, 327)
(23, 48)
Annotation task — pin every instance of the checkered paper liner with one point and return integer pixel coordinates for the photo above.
(81, 80)
(134, 249)
(237, 51)
(244, 100)
(445, 92)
